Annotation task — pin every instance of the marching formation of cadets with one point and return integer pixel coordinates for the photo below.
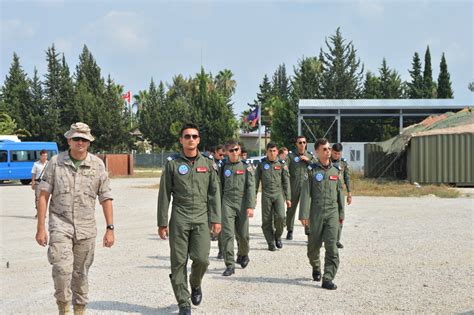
(211, 197)
(215, 195)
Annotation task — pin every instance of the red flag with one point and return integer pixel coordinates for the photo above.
(126, 96)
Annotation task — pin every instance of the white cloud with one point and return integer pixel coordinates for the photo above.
(15, 29)
(119, 30)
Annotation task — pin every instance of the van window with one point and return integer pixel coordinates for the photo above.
(3, 156)
(22, 156)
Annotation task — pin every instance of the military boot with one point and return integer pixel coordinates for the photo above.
(79, 309)
(63, 308)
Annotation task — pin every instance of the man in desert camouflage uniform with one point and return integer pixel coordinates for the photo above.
(73, 179)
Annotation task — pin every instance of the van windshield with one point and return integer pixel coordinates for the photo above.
(28, 155)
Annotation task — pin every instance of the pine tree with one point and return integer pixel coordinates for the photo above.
(16, 95)
(36, 110)
(306, 83)
(415, 87)
(429, 89)
(51, 124)
(371, 86)
(390, 82)
(342, 70)
(444, 81)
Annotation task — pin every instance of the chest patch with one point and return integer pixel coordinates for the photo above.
(239, 172)
(201, 169)
(183, 169)
(319, 177)
(277, 167)
(227, 173)
(333, 177)
(266, 166)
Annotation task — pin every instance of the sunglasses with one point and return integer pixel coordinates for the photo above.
(187, 137)
(234, 150)
(327, 149)
(77, 139)
(302, 142)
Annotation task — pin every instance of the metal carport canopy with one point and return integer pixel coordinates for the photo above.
(338, 108)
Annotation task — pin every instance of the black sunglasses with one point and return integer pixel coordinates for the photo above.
(327, 149)
(302, 142)
(187, 137)
(76, 139)
(234, 150)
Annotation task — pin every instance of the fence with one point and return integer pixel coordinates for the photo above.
(151, 159)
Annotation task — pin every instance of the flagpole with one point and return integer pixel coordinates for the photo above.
(259, 131)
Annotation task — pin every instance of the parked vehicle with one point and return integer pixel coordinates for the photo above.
(17, 158)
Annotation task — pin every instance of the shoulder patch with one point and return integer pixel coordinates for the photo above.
(172, 157)
(282, 161)
(246, 161)
(343, 160)
(263, 159)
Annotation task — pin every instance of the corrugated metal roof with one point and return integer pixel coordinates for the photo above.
(381, 104)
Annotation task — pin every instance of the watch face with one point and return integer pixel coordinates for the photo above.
(110, 227)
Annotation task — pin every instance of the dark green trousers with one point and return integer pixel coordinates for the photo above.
(323, 228)
(188, 240)
(273, 217)
(235, 223)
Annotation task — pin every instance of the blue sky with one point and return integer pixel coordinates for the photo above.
(137, 40)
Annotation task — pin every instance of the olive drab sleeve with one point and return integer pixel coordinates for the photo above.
(305, 199)
(346, 176)
(258, 176)
(164, 195)
(214, 195)
(340, 200)
(285, 178)
(250, 195)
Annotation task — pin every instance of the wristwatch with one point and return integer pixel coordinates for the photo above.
(110, 227)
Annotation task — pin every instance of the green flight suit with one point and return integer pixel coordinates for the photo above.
(194, 186)
(275, 191)
(238, 194)
(344, 171)
(322, 204)
(297, 168)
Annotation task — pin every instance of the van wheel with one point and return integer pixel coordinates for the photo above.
(25, 181)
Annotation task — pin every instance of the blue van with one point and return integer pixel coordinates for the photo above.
(17, 158)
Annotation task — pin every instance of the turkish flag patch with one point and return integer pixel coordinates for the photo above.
(239, 172)
(277, 168)
(201, 169)
(333, 177)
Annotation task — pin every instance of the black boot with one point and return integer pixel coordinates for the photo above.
(220, 255)
(244, 261)
(339, 245)
(278, 244)
(271, 247)
(196, 296)
(328, 284)
(316, 275)
(289, 235)
(228, 271)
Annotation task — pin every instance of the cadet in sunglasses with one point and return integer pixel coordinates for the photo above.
(238, 203)
(192, 180)
(275, 191)
(321, 208)
(298, 162)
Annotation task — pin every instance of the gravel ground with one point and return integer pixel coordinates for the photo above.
(400, 255)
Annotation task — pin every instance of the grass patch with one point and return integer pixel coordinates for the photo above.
(142, 173)
(362, 186)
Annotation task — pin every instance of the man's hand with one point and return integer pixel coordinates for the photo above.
(250, 212)
(216, 228)
(288, 203)
(42, 237)
(304, 158)
(341, 221)
(109, 238)
(349, 199)
(33, 185)
(305, 222)
(163, 232)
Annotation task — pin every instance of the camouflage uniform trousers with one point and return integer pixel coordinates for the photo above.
(71, 260)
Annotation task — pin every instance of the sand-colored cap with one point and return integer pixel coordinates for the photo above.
(80, 130)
